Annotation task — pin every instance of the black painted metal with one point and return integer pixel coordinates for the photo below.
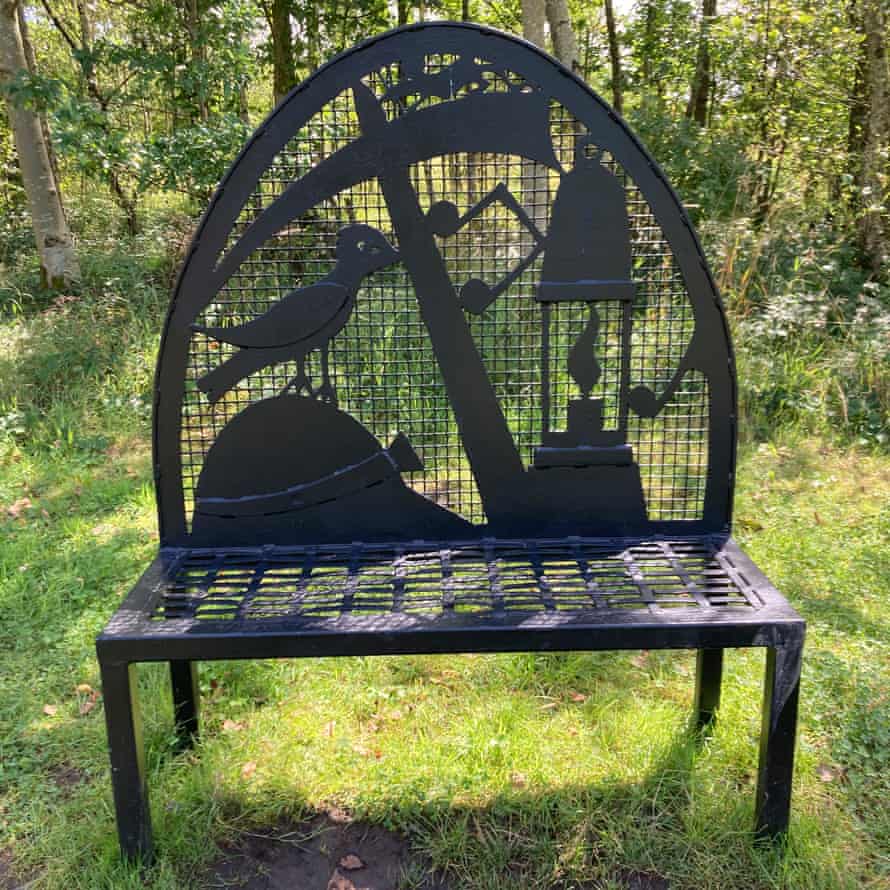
(708, 678)
(445, 241)
(186, 701)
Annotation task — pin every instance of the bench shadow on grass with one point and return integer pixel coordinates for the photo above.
(566, 838)
(606, 834)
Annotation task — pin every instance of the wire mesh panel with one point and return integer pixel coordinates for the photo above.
(419, 257)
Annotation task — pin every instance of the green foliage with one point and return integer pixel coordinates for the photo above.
(708, 168)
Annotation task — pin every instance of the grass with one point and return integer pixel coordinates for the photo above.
(527, 771)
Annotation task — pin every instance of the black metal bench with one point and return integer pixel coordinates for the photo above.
(445, 371)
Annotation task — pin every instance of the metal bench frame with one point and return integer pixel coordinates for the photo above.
(566, 555)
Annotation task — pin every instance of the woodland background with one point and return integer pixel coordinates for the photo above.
(771, 118)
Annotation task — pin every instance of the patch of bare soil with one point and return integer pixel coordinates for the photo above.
(67, 778)
(627, 879)
(643, 880)
(9, 877)
(322, 854)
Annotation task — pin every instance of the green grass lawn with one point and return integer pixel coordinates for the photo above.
(508, 770)
(526, 771)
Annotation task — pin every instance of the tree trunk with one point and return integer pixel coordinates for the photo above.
(58, 261)
(402, 11)
(700, 89)
(650, 27)
(32, 67)
(198, 58)
(465, 10)
(856, 123)
(565, 46)
(874, 225)
(284, 77)
(614, 58)
(535, 196)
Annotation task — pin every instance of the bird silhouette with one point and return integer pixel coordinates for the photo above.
(303, 320)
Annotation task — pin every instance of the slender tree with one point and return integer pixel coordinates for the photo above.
(31, 59)
(284, 75)
(873, 221)
(614, 58)
(700, 88)
(55, 246)
(534, 176)
(565, 46)
(649, 41)
(198, 53)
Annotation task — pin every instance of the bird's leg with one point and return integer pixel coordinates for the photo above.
(326, 391)
(301, 382)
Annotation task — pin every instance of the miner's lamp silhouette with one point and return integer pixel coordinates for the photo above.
(587, 259)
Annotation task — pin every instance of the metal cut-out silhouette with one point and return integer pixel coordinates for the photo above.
(583, 476)
(306, 319)
(294, 465)
(587, 258)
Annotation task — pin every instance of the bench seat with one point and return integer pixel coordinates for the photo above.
(426, 597)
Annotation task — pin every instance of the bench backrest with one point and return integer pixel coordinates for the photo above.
(443, 293)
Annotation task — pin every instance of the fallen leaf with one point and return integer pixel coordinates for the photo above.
(329, 727)
(84, 688)
(16, 509)
(818, 518)
(828, 773)
(86, 706)
(248, 769)
(578, 697)
(101, 530)
(572, 731)
(351, 862)
(340, 882)
(395, 715)
(232, 725)
(549, 706)
(50, 710)
(518, 780)
(641, 659)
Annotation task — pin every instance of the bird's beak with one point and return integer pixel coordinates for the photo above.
(386, 258)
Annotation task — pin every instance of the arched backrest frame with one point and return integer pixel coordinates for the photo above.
(209, 264)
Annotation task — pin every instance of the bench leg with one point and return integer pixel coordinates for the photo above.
(186, 701)
(708, 675)
(124, 724)
(777, 738)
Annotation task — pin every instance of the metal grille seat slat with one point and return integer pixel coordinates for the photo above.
(490, 577)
